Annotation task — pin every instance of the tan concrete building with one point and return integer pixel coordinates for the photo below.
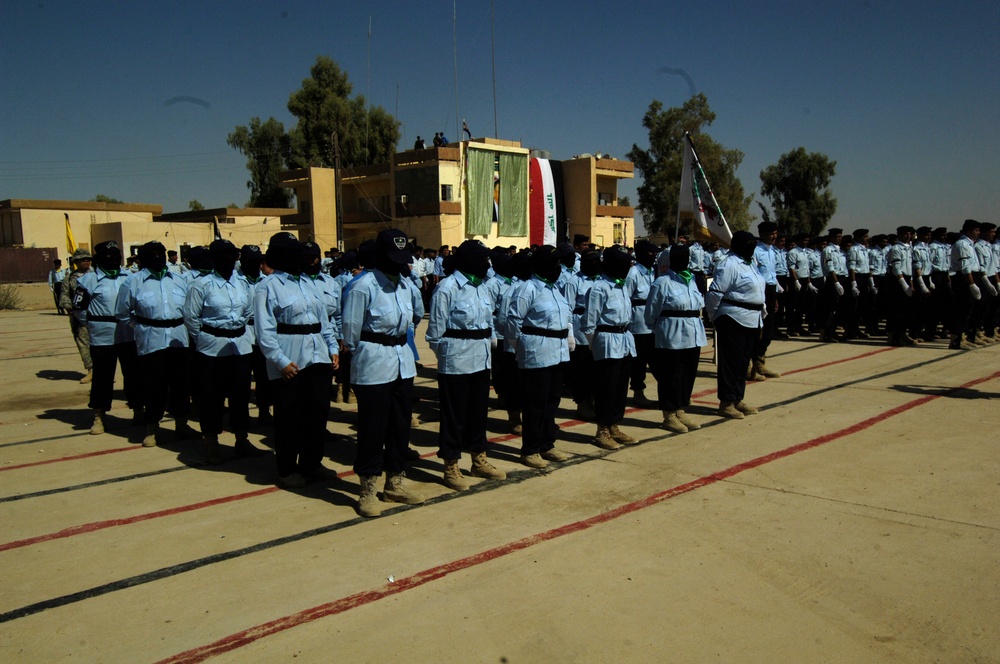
(426, 194)
(182, 230)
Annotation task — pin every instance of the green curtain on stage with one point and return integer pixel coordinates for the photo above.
(479, 192)
(513, 195)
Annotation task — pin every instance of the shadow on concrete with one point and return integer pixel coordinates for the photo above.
(57, 374)
(948, 392)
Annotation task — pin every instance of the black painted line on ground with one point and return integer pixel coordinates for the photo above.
(89, 485)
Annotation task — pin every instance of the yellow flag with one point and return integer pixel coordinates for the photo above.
(70, 242)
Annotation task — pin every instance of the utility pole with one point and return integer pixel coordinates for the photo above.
(340, 192)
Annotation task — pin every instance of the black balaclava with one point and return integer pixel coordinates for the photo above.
(108, 257)
(199, 259)
(223, 254)
(503, 264)
(590, 263)
(521, 265)
(250, 260)
(366, 254)
(448, 264)
(616, 264)
(472, 258)
(680, 258)
(545, 263)
(153, 257)
(645, 253)
(311, 264)
(348, 262)
(284, 253)
(743, 245)
(568, 259)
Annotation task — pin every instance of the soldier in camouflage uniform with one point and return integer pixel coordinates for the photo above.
(80, 261)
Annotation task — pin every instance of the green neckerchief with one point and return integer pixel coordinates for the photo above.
(216, 272)
(506, 279)
(394, 278)
(252, 280)
(545, 281)
(314, 277)
(158, 275)
(205, 273)
(473, 279)
(619, 283)
(686, 275)
(113, 274)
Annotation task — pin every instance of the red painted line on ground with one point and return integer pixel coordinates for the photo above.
(71, 458)
(245, 637)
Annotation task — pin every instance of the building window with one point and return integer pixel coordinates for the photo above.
(446, 194)
(618, 233)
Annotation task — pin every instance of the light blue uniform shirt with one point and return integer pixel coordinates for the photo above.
(798, 260)
(781, 264)
(576, 297)
(497, 285)
(56, 277)
(984, 252)
(540, 305)
(672, 292)
(921, 254)
(766, 257)
(157, 299)
(458, 305)
(503, 306)
(940, 254)
(103, 291)
(607, 304)
(834, 261)
(290, 300)
(375, 304)
(876, 258)
(815, 263)
(637, 285)
(222, 303)
(963, 257)
(739, 281)
(328, 291)
(696, 257)
(565, 275)
(857, 260)
(900, 260)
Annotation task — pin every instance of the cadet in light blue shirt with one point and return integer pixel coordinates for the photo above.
(673, 310)
(296, 337)
(581, 360)
(538, 328)
(216, 311)
(111, 342)
(460, 332)
(505, 373)
(249, 271)
(606, 320)
(637, 284)
(152, 303)
(378, 309)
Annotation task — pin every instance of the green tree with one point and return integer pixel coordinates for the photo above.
(265, 145)
(798, 188)
(660, 166)
(195, 205)
(101, 198)
(323, 106)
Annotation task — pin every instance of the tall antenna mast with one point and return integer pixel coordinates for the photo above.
(493, 55)
(368, 98)
(454, 32)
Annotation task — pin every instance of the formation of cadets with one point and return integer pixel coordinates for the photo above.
(531, 324)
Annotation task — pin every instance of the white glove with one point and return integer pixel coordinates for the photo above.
(907, 288)
(493, 343)
(812, 288)
(874, 290)
(855, 291)
(932, 284)
(989, 287)
(974, 289)
(839, 288)
(871, 283)
(796, 286)
(572, 343)
(921, 284)
(778, 289)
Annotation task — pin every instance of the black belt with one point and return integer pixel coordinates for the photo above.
(311, 328)
(101, 319)
(862, 274)
(224, 332)
(743, 305)
(469, 334)
(383, 339)
(250, 322)
(638, 303)
(542, 332)
(579, 311)
(153, 322)
(679, 314)
(614, 329)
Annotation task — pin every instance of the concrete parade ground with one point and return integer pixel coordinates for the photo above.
(855, 519)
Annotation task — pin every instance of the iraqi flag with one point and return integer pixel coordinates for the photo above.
(546, 213)
(697, 202)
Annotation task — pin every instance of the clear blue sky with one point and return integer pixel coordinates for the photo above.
(905, 96)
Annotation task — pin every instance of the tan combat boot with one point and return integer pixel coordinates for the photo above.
(728, 409)
(745, 408)
(98, 426)
(481, 467)
(150, 439)
(395, 491)
(554, 455)
(760, 366)
(620, 436)
(687, 421)
(672, 423)
(368, 503)
(453, 476)
(534, 461)
(89, 377)
(604, 440)
(753, 374)
(514, 420)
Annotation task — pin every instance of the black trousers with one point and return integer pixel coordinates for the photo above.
(164, 379)
(940, 303)
(611, 389)
(675, 371)
(384, 413)
(225, 378)
(102, 387)
(506, 380)
(540, 390)
(770, 321)
(826, 311)
(57, 293)
(581, 374)
(301, 406)
(735, 345)
(262, 384)
(898, 309)
(858, 308)
(464, 408)
(961, 306)
(644, 344)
